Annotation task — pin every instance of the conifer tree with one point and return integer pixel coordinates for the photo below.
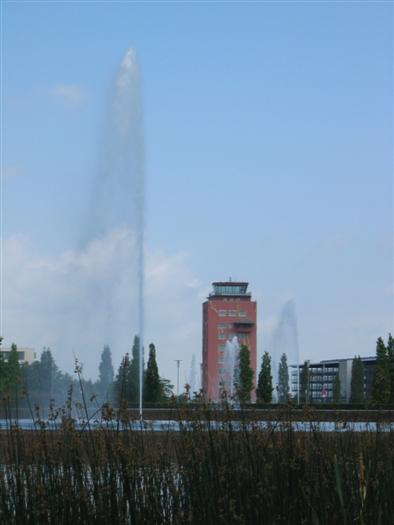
(283, 380)
(390, 352)
(357, 381)
(13, 372)
(122, 388)
(106, 373)
(47, 372)
(3, 373)
(336, 391)
(304, 383)
(381, 376)
(264, 385)
(152, 387)
(244, 381)
(134, 372)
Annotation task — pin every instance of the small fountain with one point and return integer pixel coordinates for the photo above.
(193, 380)
(285, 341)
(230, 367)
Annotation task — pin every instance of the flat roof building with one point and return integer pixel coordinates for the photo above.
(25, 355)
(228, 312)
(322, 375)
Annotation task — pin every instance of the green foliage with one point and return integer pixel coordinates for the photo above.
(106, 374)
(357, 395)
(390, 352)
(47, 373)
(283, 380)
(167, 388)
(381, 378)
(264, 385)
(122, 388)
(244, 381)
(13, 372)
(3, 374)
(152, 386)
(134, 372)
(336, 391)
(304, 383)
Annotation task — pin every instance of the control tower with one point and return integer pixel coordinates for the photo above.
(228, 312)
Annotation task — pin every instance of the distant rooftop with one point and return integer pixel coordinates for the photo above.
(230, 288)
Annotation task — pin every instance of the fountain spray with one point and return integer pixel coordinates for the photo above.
(129, 172)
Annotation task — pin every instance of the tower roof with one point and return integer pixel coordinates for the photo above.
(230, 288)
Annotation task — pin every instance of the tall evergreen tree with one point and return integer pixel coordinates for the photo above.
(357, 381)
(336, 391)
(244, 381)
(304, 383)
(3, 373)
(390, 352)
(106, 374)
(47, 373)
(152, 387)
(381, 376)
(13, 372)
(283, 380)
(122, 390)
(134, 378)
(264, 385)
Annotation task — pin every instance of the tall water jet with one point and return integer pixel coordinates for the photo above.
(285, 341)
(118, 194)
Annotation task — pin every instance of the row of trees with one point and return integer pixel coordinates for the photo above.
(126, 385)
(42, 381)
(381, 393)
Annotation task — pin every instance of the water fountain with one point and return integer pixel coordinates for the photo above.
(230, 366)
(118, 193)
(285, 341)
(193, 381)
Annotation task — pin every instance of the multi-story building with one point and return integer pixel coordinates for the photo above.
(25, 355)
(322, 376)
(228, 312)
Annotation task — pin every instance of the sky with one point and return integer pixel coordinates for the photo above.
(268, 130)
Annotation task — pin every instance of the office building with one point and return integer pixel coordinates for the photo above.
(322, 376)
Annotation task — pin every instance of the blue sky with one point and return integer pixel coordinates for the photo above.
(269, 143)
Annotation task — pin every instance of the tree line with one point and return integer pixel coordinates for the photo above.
(42, 382)
(380, 393)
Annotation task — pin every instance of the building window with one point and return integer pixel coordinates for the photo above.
(241, 313)
(222, 337)
(221, 347)
(222, 313)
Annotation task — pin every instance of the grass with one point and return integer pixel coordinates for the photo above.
(241, 475)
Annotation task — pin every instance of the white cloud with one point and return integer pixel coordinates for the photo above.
(70, 94)
(77, 301)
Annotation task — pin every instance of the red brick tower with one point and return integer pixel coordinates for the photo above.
(229, 311)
